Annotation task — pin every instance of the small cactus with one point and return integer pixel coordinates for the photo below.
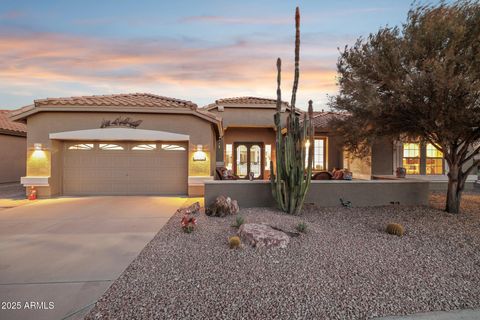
(302, 227)
(395, 229)
(239, 220)
(234, 242)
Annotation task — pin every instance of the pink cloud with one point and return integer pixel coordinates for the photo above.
(240, 66)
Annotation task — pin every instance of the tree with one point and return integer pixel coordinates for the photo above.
(290, 181)
(420, 80)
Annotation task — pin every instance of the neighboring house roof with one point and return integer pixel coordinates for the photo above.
(134, 102)
(7, 126)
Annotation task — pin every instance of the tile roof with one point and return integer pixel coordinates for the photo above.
(321, 119)
(247, 100)
(8, 125)
(120, 100)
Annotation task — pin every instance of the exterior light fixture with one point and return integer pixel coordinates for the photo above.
(38, 151)
(199, 155)
(307, 144)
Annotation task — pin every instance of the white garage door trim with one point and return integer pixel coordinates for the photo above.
(119, 134)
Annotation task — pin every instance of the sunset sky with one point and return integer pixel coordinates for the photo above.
(194, 50)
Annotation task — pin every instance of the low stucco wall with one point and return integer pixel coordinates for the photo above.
(361, 193)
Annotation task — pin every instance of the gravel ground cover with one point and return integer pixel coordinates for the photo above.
(344, 267)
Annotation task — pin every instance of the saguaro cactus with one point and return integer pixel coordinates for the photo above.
(292, 175)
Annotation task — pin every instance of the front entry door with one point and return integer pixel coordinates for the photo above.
(248, 157)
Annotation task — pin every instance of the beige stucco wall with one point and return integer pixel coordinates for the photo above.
(40, 125)
(382, 158)
(325, 193)
(360, 167)
(12, 157)
(265, 135)
(248, 117)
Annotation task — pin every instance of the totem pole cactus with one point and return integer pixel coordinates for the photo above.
(292, 175)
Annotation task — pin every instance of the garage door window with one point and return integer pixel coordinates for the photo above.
(108, 146)
(145, 147)
(81, 146)
(172, 147)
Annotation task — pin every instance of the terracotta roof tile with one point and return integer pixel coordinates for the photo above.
(8, 125)
(247, 100)
(321, 120)
(119, 100)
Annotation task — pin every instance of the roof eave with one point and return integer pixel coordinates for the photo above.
(13, 133)
(28, 111)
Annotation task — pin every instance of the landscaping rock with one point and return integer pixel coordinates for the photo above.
(191, 209)
(262, 235)
(223, 206)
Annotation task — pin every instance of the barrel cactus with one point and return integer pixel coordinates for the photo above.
(290, 178)
(395, 229)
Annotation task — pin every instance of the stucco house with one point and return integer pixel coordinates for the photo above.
(13, 143)
(142, 143)
(118, 145)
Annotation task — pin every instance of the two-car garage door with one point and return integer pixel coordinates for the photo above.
(125, 168)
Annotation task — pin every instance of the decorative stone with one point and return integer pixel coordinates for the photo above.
(223, 206)
(191, 209)
(262, 235)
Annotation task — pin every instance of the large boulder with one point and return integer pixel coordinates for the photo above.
(223, 206)
(262, 235)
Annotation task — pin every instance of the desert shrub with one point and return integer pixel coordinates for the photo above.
(234, 242)
(301, 227)
(395, 229)
(188, 223)
(239, 220)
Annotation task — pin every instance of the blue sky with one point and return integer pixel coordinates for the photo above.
(194, 50)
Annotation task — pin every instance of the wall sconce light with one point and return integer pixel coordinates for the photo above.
(307, 144)
(199, 155)
(38, 151)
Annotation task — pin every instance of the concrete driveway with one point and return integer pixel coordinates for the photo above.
(64, 253)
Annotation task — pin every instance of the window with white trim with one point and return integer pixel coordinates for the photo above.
(319, 152)
(434, 161)
(268, 156)
(81, 146)
(110, 146)
(229, 156)
(145, 147)
(172, 147)
(411, 157)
